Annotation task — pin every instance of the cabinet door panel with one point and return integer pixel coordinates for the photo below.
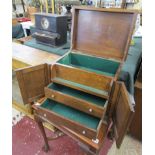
(123, 113)
(32, 81)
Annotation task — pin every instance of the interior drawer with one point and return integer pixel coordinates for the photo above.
(82, 101)
(96, 84)
(73, 119)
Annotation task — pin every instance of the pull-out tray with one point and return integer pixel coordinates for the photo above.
(82, 101)
(82, 80)
(75, 120)
(90, 63)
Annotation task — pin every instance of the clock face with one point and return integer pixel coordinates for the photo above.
(45, 23)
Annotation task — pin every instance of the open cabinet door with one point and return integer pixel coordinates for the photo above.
(122, 114)
(32, 81)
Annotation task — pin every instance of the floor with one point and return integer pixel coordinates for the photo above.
(15, 89)
(26, 139)
(130, 146)
(28, 142)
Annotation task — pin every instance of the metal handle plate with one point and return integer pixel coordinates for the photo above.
(90, 110)
(52, 95)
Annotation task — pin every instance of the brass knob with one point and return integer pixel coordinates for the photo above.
(90, 110)
(44, 115)
(83, 132)
(52, 96)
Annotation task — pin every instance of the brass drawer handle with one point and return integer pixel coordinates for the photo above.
(53, 96)
(95, 141)
(90, 110)
(83, 132)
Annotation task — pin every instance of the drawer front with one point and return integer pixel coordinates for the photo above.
(62, 121)
(76, 103)
(80, 79)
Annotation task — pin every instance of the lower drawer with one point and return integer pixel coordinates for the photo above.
(73, 119)
(82, 101)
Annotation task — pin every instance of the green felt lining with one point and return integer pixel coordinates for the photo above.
(90, 63)
(78, 94)
(101, 92)
(72, 114)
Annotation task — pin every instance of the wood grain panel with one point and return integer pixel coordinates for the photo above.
(32, 81)
(82, 77)
(122, 115)
(103, 32)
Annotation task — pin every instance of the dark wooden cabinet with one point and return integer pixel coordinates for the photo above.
(50, 29)
(82, 95)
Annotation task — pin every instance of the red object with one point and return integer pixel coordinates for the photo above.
(27, 140)
(23, 19)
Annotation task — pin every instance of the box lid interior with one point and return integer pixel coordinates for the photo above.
(102, 32)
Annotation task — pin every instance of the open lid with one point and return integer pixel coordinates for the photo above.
(102, 32)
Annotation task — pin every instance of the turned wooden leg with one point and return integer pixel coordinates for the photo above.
(90, 153)
(41, 127)
(88, 150)
(87, 153)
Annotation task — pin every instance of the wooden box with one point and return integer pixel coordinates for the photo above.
(100, 40)
(82, 95)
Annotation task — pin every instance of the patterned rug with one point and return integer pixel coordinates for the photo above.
(27, 140)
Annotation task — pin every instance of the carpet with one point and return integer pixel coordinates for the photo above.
(27, 140)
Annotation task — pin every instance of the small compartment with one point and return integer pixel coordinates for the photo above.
(91, 63)
(76, 120)
(82, 101)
